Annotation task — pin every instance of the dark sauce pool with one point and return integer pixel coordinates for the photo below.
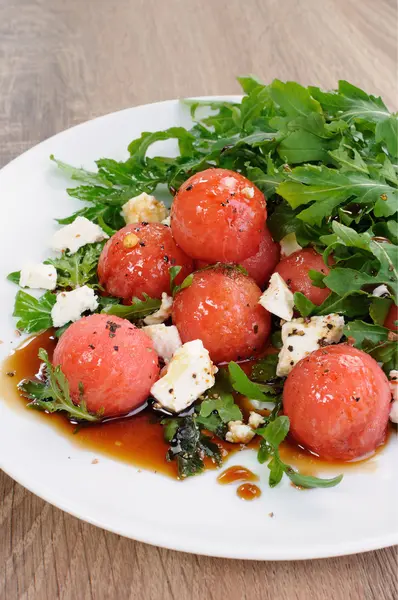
(138, 439)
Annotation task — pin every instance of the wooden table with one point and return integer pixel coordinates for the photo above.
(66, 61)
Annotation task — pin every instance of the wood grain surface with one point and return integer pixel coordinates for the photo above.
(65, 61)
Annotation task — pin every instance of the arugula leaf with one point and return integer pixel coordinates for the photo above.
(307, 481)
(138, 309)
(264, 369)
(174, 271)
(189, 446)
(242, 384)
(78, 269)
(378, 309)
(303, 304)
(14, 277)
(275, 432)
(361, 331)
(293, 98)
(53, 395)
(83, 175)
(33, 314)
(220, 399)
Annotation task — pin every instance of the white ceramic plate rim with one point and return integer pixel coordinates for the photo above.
(168, 537)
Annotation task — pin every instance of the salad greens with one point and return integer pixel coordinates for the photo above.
(327, 163)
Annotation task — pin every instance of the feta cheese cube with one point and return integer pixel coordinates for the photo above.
(38, 276)
(189, 374)
(289, 245)
(144, 208)
(239, 433)
(255, 420)
(248, 192)
(70, 305)
(380, 291)
(167, 221)
(76, 235)
(166, 340)
(277, 298)
(163, 313)
(300, 337)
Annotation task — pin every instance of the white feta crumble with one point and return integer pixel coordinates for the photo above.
(70, 305)
(144, 208)
(277, 298)
(76, 235)
(163, 313)
(393, 377)
(166, 340)
(289, 245)
(248, 192)
(229, 182)
(381, 290)
(38, 276)
(189, 374)
(239, 433)
(167, 221)
(300, 337)
(255, 420)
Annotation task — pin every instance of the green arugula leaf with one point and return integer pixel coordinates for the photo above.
(264, 369)
(33, 314)
(294, 99)
(277, 469)
(361, 331)
(81, 174)
(78, 269)
(275, 432)
(53, 395)
(378, 309)
(14, 277)
(242, 384)
(387, 132)
(138, 309)
(307, 481)
(304, 305)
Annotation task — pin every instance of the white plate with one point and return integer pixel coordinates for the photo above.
(197, 515)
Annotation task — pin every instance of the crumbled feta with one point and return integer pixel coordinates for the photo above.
(394, 392)
(381, 290)
(76, 235)
(239, 433)
(70, 305)
(189, 373)
(289, 245)
(255, 420)
(163, 313)
(38, 276)
(277, 298)
(300, 337)
(144, 208)
(229, 182)
(167, 221)
(166, 340)
(248, 192)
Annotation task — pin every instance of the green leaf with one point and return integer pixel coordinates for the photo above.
(350, 305)
(302, 146)
(173, 272)
(275, 432)
(177, 288)
(317, 278)
(220, 399)
(249, 83)
(263, 452)
(387, 133)
(361, 331)
(264, 369)
(78, 269)
(307, 481)
(303, 304)
(139, 147)
(242, 384)
(170, 428)
(138, 309)
(14, 277)
(277, 469)
(294, 99)
(81, 174)
(53, 395)
(378, 309)
(33, 314)
(347, 162)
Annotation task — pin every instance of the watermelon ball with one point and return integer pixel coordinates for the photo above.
(111, 360)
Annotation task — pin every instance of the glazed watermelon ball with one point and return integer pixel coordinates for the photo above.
(113, 360)
(338, 402)
(218, 216)
(137, 259)
(260, 266)
(221, 308)
(294, 270)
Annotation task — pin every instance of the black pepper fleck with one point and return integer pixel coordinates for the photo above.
(91, 346)
(255, 328)
(142, 244)
(165, 258)
(189, 188)
(290, 348)
(329, 326)
(116, 348)
(171, 390)
(11, 373)
(292, 362)
(194, 375)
